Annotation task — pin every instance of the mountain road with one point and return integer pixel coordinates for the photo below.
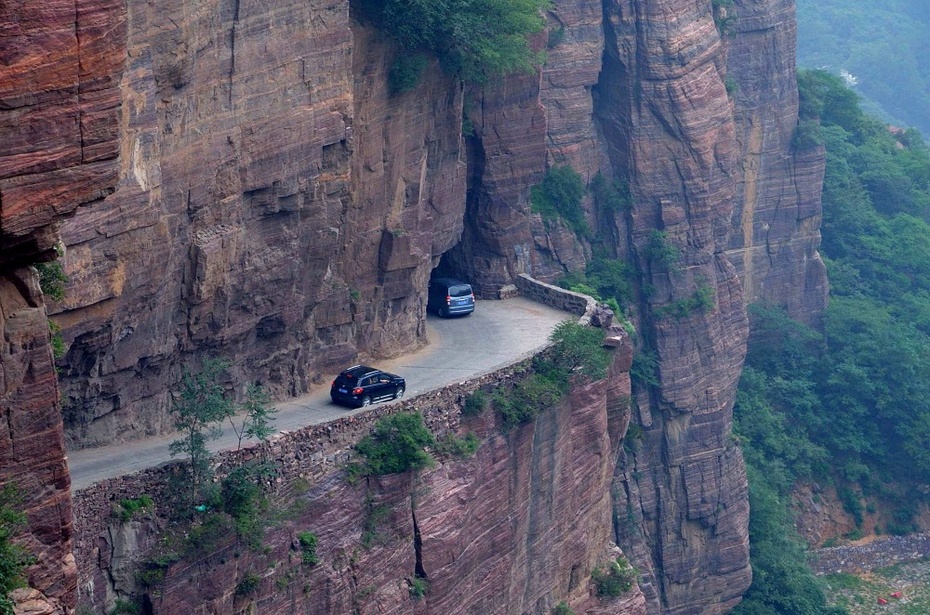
(496, 334)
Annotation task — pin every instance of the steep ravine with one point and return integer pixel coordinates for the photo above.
(236, 180)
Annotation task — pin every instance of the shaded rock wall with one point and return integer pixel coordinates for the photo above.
(516, 528)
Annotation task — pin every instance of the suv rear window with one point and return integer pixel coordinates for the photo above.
(460, 291)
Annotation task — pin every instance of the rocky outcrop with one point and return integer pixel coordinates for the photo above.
(32, 454)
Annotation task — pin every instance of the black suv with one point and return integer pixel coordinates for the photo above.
(361, 385)
(450, 297)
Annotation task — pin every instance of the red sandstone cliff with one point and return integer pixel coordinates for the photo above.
(516, 528)
(275, 205)
(58, 147)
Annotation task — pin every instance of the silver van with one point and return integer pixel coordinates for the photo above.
(450, 297)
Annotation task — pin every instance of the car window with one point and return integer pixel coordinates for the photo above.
(460, 291)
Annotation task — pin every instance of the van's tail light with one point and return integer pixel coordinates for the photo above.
(448, 300)
(357, 391)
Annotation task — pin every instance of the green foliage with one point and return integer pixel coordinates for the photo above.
(851, 405)
(612, 197)
(661, 252)
(702, 301)
(731, 86)
(645, 369)
(562, 609)
(577, 352)
(418, 587)
(526, 400)
(244, 501)
(130, 506)
(559, 197)
(781, 580)
(52, 279)
(724, 18)
(405, 73)
(201, 406)
(13, 558)
(248, 585)
(807, 135)
(153, 570)
(124, 607)
(396, 444)
(555, 36)
(258, 422)
(58, 342)
(377, 513)
(606, 279)
(882, 46)
(475, 403)
(308, 554)
(615, 579)
(460, 447)
(473, 39)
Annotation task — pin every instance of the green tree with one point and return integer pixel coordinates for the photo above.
(396, 444)
(559, 196)
(13, 557)
(258, 422)
(579, 350)
(473, 39)
(198, 411)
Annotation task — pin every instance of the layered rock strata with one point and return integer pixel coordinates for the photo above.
(276, 206)
(59, 107)
(664, 106)
(776, 218)
(516, 528)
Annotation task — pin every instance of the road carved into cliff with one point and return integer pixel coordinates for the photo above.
(498, 333)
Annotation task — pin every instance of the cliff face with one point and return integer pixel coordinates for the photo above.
(515, 528)
(275, 205)
(58, 112)
(776, 218)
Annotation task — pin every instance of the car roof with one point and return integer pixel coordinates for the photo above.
(358, 371)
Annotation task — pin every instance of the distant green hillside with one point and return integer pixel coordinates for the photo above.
(884, 45)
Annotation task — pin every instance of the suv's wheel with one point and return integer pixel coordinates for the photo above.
(399, 393)
(366, 401)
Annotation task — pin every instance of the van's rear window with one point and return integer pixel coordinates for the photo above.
(459, 291)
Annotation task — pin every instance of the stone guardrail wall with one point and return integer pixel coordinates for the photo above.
(308, 453)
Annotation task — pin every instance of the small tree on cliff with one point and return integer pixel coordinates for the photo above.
(199, 410)
(258, 422)
(13, 558)
(396, 444)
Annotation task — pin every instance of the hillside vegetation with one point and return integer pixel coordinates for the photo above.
(850, 405)
(883, 45)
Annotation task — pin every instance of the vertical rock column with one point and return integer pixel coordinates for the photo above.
(59, 65)
(32, 453)
(669, 126)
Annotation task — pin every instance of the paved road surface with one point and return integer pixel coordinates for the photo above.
(497, 333)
